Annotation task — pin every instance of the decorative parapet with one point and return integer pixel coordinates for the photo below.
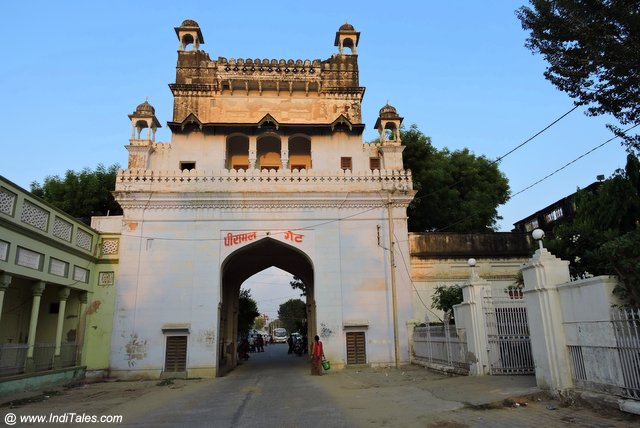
(282, 66)
(31, 216)
(255, 180)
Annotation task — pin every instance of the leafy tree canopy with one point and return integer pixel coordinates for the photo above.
(457, 191)
(297, 284)
(592, 49)
(247, 311)
(293, 315)
(445, 298)
(81, 194)
(604, 236)
(259, 323)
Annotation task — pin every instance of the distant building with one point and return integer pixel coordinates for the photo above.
(560, 211)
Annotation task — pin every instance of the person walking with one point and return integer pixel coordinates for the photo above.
(317, 354)
(290, 343)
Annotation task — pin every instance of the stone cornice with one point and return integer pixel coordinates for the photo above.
(257, 201)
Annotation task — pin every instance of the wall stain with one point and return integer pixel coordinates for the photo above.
(206, 337)
(136, 349)
(93, 307)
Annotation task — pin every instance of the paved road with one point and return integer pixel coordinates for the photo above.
(272, 389)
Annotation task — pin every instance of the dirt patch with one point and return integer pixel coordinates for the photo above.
(446, 424)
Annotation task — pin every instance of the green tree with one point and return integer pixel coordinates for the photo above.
(457, 191)
(258, 323)
(297, 284)
(293, 315)
(592, 49)
(247, 311)
(600, 239)
(445, 298)
(81, 194)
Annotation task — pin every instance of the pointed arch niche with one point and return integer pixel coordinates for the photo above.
(268, 151)
(300, 152)
(238, 152)
(243, 264)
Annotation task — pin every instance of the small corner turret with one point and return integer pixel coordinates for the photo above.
(140, 147)
(347, 37)
(189, 34)
(388, 125)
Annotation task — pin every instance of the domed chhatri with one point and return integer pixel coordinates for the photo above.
(189, 34)
(145, 109)
(189, 23)
(347, 37)
(346, 27)
(388, 111)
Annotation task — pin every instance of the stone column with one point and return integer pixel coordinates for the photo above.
(63, 295)
(82, 317)
(284, 152)
(471, 323)
(5, 281)
(38, 289)
(542, 275)
(253, 144)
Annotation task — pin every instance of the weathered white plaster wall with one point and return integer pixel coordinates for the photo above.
(170, 274)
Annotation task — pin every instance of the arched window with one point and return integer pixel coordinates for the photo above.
(140, 134)
(390, 132)
(268, 152)
(348, 43)
(187, 40)
(299, 153)
(238, 152)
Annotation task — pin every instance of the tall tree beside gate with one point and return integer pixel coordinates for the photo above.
(592, 50)
(457, 190)
(604, 236)
(293, 315)
(81, 194)
(247, 311)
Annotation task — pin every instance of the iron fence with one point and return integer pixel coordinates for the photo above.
(440, 344)
(611, 369)
(12, 358)
(68, 354)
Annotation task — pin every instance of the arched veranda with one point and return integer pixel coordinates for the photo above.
(241, 265)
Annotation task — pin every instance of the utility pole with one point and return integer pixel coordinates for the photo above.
(396, 344)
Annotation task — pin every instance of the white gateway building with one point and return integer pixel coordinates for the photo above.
(266, 167)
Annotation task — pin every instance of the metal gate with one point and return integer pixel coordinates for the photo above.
(508, 335)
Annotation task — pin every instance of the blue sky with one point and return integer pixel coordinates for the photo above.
(72, 71)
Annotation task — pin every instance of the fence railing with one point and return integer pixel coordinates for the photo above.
(440, 344)
(13, 357)
(611, 369)
(68, 354)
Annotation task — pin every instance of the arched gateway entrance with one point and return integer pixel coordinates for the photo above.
(241, 265)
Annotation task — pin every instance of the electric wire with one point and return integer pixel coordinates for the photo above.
(573, 161)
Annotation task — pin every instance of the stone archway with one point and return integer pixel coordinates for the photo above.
(241, 265)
